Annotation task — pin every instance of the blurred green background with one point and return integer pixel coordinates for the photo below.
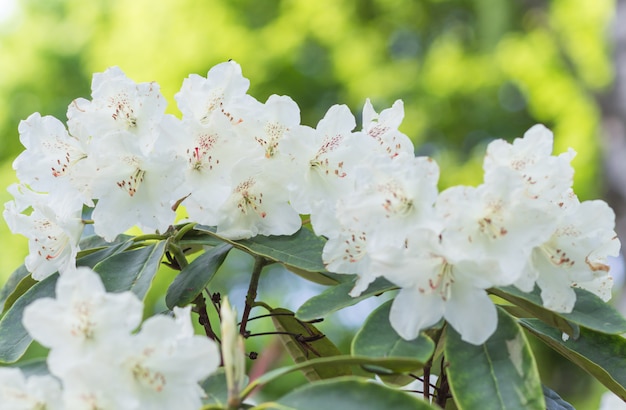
(468, 71)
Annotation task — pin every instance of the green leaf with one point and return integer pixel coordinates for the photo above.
(11, 284)
(300, 252)
(196, 276)
(338, 297)
(90, 257)
(34, 367)
(242, 406)
(305, 342)
(601, 355)
(589, 311)
(17, 284)
(378, 339)
(14, 339)
(351, 393)
(393, 364)
(554, 401)
(131, 270)
(95, 242)
(499, 374)
(216, 389)
(195, 238)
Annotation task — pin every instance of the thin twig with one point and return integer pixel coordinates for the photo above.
(259, 263)
(203, 319)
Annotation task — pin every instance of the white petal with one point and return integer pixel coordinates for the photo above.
(413, 311)
(35, 392)
(556, 291)
(471, 313)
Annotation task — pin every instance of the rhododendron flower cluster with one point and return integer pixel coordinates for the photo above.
(96, 361)
(250, 168)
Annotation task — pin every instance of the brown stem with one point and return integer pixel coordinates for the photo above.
(443, 394)
(426, 381)
(203, 318)
(259, 263)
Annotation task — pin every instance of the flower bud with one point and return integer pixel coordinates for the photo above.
(233, 353)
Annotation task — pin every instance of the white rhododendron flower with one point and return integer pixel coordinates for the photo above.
(576, 255)
(500, 233)
(329, 156)
(495, 221)
(52, 162)
(52, 236)
(250, 168)
(212, 140)
(163, 363)
(101, 363)
(221, 91)
(84, 389)
(257, 205)
(267, 124)
(545, 176)
(120, 108)
(436, 284)
(33, 393)
(81, 318)
(134, 190)
(383, 128)
(348, 253)
(326, 160)
(133, 171)
(210, 151)
(389, 196)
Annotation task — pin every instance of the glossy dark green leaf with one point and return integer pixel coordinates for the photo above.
(131, 270)
(554, 401)
(351, 393)
(301, 252)
(95, 242)
(378, 339)
(525, 305)
(589, 311)
(304, 342)
(35, 367)
(601, 355)
(242, 406)
(216, 390)
(90, 257)
(14, 339)
(11, 283)
(18, 283)
(338, 297)
(196, 276)
(499, 374)
(195, 238)
(392, 364)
